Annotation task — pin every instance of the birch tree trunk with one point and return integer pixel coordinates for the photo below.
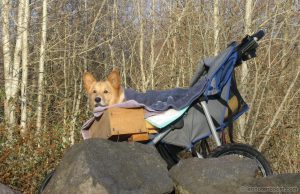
(41, 67)
(189, 52)
(24, 69)
(65, 83)
(11, 69)
(248, 21)
(140, 6)
(17, 58)
(124, 78)
(7, 62)
(244, 74)
(216, 27)
(248, 16)
(76, 113)
(113, 23)
(174, 61)
(152, 54)
(286, 42)
(76, 96)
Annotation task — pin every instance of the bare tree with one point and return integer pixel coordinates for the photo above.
(141, 46)
(41, 67)
(216, 27)
(244, 73)
(66, 89)
(18, 47)
(24, 68)
(7, 63)
(152, 52)
(11, 68)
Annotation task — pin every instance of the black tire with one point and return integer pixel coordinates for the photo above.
(246, 151)
(169, 155)
(45, 181)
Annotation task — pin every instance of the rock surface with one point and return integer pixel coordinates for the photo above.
(101, 166)
(213, 175)
(6, 190)
(228, 175)
(280, 183)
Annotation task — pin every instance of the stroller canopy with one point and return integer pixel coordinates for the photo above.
(219, 72)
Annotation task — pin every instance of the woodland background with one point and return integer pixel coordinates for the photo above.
(46, 46)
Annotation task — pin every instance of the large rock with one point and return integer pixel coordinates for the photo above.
(213, 175)
(229, 175)
(101, 166)
(6, 190)
(280, 183)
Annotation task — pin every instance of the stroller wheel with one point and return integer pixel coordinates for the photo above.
(243, 150)
(45, 181)
(168, 153)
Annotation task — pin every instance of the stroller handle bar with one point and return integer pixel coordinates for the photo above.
(258, 35)
(247, 49)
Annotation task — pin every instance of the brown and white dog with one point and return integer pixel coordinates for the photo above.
(105, 92)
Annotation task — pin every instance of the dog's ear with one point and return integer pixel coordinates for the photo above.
(114, 79)
(88, 80)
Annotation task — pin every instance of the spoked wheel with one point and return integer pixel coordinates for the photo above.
(246, 151)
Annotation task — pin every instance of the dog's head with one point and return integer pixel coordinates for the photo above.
(103, 93)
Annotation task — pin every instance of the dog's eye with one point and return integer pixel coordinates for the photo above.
(94, 91)
(105, 92)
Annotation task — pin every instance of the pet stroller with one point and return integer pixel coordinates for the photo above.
(209, 112)
(212, 112)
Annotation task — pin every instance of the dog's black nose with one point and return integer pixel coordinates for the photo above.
(97, 99)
